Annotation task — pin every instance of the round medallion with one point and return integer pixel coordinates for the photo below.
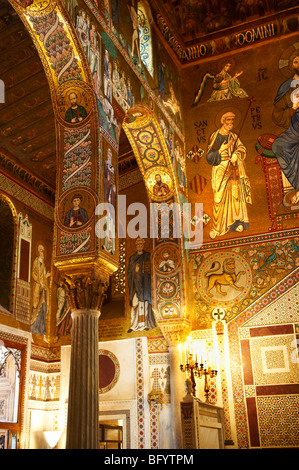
(145, 137)
(151, 154)
(159, 183)
(74, 103)
(109, 370)
(169, 310)
(224, 278)
(167, 289)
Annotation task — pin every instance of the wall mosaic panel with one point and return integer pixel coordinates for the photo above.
(256, 270)
(265, 349)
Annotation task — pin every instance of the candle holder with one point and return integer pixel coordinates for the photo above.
(206, 372)
(194, 369)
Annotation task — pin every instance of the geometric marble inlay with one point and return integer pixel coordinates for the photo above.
(283, 309)
(278, 420)
(271, 360)
(275, 359)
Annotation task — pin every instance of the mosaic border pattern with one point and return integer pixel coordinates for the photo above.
(240, 400)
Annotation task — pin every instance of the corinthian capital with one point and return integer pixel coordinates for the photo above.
(175, 331)
(85, 291)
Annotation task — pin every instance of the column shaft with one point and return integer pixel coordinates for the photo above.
(83, 401)
(176, 396)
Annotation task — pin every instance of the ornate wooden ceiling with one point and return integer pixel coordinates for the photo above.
(27, 128)
(197, 29)
(192, 20)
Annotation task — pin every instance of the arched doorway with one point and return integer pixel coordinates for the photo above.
(8, 253)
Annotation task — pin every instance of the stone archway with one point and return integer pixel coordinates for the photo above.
(145, 136)
(9, 250)
(77, 252)
(170, 302)
(77, 135)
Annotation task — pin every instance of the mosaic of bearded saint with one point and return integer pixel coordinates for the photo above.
(230, 183)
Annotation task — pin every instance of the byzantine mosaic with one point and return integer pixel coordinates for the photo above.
(264, 364)
(157, 344)
(159, 376)
(283, 310)
(273, 362)
(46, 354)
(263, 266)
(134, 177)
(21, 194)
(278, 428)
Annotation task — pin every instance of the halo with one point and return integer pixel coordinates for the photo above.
(286, 60)
(76, 91)
(223, 62)
(225, 110)
(38, 244)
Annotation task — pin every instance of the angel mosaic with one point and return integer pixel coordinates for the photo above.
(225, 86)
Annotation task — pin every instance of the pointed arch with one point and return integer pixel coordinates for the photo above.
(11, 244)
(147, 141)
(77, 132)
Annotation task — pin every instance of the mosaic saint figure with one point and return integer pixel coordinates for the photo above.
(172, 102)
(94, 59)
(140, 290)
(82, 29)
(282, 111)
(160, 189)
(76, 112)
(181, 166)
(110, 198)
(231, 186)
(116, 81)
(40, 294)
(77, 216)
(109, 180)
(225, 86)
(286, 114)
(107, 75)
(135, 34)
(63, 314)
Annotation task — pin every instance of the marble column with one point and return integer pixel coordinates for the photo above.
(176, 333)
(85, 294)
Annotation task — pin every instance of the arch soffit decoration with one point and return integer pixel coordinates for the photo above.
(44, 21)
(148, 144)
(66, 67)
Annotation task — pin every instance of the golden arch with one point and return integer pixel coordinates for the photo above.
(147, 141)
(72, 77)
(69, 78)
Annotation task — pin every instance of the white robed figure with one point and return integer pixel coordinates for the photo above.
(230, 183)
